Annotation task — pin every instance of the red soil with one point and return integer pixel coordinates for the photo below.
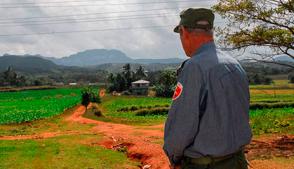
(138, 142)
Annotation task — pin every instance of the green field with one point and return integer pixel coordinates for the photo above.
(60, 152)
(16, 107)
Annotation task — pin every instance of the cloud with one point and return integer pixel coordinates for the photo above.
(136, 43)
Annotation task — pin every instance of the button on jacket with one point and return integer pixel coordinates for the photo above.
(210, 115)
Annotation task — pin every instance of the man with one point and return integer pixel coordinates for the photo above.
(208, 123)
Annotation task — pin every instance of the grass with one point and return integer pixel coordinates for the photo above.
(60, 152)
(22, 106)
(279, 120)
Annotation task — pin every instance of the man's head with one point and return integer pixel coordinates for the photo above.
(195, 28)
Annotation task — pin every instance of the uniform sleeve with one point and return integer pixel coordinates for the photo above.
(183, 118)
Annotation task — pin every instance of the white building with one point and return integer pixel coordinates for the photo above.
(140, 87)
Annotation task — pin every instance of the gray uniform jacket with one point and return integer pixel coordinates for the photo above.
(210, 116)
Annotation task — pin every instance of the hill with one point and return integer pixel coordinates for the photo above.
(27, 63)
(93, 57)
(96, 57)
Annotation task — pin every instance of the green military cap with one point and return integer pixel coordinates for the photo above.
(191, 16)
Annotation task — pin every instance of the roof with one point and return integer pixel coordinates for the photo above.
(140, 82)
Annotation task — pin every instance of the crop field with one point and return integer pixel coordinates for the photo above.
(16, 107)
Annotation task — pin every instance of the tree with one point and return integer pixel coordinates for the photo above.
(110, 78)
(88, 95)
(153, 77)
(21, 81)
(128, 74)
(10, 76)
(166, 85)
(118, 83)
(261, 23)
(140, 73)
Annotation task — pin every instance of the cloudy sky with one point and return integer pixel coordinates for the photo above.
(58, 28)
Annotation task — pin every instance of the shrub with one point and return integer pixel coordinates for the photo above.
(95, 110)
(164, 91)
(165, 86)
(134, 108)
(271, 105)
(88, 95)
(154, 111)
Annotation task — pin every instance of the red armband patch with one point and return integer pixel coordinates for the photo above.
(178, 91)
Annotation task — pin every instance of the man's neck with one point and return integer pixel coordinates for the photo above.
(198, 42)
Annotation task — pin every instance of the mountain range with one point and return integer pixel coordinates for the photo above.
(89, 60)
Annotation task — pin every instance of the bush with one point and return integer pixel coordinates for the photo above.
(271, 105)
(164, 91)
(88, 95)
(134, 108)
(167, 82)
(154, 111)
(95, 110)
(257, 79)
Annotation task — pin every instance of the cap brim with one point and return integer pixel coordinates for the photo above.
(177, 29)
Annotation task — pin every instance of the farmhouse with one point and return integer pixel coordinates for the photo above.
(73, 84)
(140, 87)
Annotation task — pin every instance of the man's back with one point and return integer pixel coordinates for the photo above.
(210, 117)
(208, 122)
(223, 126)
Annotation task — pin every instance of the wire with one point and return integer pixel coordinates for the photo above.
(84, 19)
(82, 14)
(56, 2)
(84, 31)
(91, 20)
(95, 5)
